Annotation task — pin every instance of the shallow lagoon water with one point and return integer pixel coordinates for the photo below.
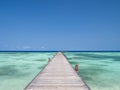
(17, 69)
(100, 70)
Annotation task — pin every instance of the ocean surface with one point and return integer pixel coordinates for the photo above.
(100, 70)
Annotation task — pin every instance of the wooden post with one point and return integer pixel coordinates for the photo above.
(76, 67)
(49, 60)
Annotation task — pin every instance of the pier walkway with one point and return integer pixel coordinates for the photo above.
(57, 75)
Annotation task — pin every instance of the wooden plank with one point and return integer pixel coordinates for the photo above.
(57, 75)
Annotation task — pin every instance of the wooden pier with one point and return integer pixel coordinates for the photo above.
(57, 75)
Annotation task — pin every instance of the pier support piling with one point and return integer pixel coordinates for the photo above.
(76, 68)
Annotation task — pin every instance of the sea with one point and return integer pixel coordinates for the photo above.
(100, 70)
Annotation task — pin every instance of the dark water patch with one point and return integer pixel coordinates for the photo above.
(98, 64)
(74, 58)
(41, 67)
(16, 54)
(102, 65)
(83, 57)
(74, 62)
(94, 56)
(10, 71)
(24, 66)
(117, 58)
(70, 58)
(39, 60)
(86, 77)
(18, 59)
(1, 61)
(88, 72)
(110, 61)
(99, 57)
(87, 58)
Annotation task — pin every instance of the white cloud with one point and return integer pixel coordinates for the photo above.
(26, 47)
(23, 47)
(43, 47)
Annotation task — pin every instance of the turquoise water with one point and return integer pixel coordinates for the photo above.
(100, 70)
(17, 69)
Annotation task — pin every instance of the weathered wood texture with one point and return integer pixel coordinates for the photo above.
(57, 75)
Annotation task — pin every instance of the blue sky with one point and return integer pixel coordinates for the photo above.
(59, 25)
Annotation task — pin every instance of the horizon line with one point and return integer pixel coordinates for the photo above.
(59, 50)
